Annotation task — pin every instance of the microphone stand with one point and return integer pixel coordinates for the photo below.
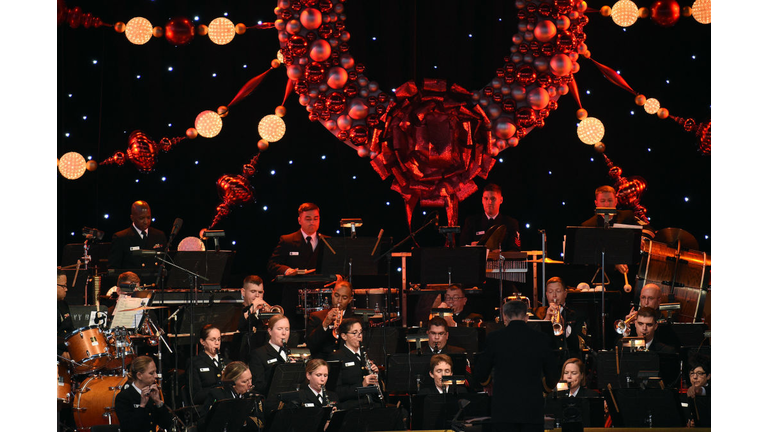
(193, 282)
(388, 254)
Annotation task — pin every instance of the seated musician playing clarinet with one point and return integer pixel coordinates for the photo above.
(314, 393)
(322, 331)
(205, 368)
(265, 359)
(236, 384)
(354, 369)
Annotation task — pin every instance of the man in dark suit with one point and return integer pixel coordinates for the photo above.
(140, 236)
(645, 326)
(523, 367)
(301, 250)
(571, 320)
(475, 227)
(320, 339)
(437, 332)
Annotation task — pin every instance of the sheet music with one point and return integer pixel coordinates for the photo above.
(128, 319)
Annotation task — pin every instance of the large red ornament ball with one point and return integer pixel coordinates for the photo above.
(665, 12)
(179, 31)
(142, 151)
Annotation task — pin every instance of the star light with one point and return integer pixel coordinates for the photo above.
(106, 216)
(265, 208)
(527, 225)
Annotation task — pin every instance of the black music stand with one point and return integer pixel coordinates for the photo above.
(576, 411)
(601, 247)
(644, 408)
(363, 420)
(287, 377)
(437, 411)
(213, 265)
(229, 414)
(300, 419)
(334, 370)
(629, 366)
(441, 265)
(402, 371)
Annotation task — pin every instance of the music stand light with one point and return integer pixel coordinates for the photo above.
(352, 224)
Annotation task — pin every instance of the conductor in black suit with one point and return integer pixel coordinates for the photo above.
(140, 236)
(478, 225)
(523, 367)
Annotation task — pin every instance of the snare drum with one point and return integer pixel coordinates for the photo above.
(95, 401)
(87, 347)
(119, 344)
(63, 383)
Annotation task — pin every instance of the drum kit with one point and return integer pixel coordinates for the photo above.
(96, 371)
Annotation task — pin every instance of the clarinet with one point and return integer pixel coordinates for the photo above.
(370, 372)
(326, 401)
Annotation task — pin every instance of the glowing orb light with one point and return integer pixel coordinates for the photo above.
(138, 30)
(702, 11)
(72, 165)
(271, 128)
(221, 31)
(652, 105)
(208, 124)
(624, 13)
(590, 131)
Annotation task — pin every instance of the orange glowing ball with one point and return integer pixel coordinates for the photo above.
(652, 106)
(221, 31)
(590, 131)
(208, 124)
(271, 128)
(702, 11)
(624, 13)
(640, 100)
(139, 30)
(72, 165)
(581, 114)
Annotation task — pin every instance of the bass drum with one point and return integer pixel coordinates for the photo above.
(94, 402)
(63, 383)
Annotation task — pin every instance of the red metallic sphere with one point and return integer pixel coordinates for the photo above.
(665, 12)
(179, 31)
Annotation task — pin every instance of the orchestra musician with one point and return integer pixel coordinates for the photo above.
(139, 405)
(249, 322)
(455, 298)
(650, 297)
(300, 250)
(477, 225)
(441, 365)
(574, 373)
(646, 324)
(572, 321)
(699, 392)
(139, 236)
(265, 358)
(354, 372)
(313, 393)
(64, 323)
(437, 334)
(206, 368)
(520, 357)
(321, 340)
(236, 384)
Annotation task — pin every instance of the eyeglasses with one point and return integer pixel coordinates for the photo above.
(453, 298)
(355, 333)
(701, 374)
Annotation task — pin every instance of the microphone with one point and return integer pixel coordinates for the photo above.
(176, 227)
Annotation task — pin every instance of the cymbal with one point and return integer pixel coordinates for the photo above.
(548, 261)
(671, 236)
(144, 308)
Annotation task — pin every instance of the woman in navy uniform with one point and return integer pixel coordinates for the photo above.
(265, 359)
(313, 394)
(354, 372)
(139, 405)
(205, 369)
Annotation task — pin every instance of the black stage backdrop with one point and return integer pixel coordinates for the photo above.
(108, 87)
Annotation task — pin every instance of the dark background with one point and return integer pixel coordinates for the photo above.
(548, 180)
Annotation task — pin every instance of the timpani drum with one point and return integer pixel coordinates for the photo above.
(88, 349)
(94, 402)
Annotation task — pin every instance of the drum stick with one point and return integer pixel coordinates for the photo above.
(381, 232)
(627, 286)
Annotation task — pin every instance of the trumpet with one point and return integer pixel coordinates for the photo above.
(337, 321)
(264, 307)
(621, 325)
(557, 322)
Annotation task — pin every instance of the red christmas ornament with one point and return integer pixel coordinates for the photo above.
(142, 151)
(628, 191)
(234, 190)
(665, 12)
(179, 31)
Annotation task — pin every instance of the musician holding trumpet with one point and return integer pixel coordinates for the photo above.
(322, 327)
(565, 321)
